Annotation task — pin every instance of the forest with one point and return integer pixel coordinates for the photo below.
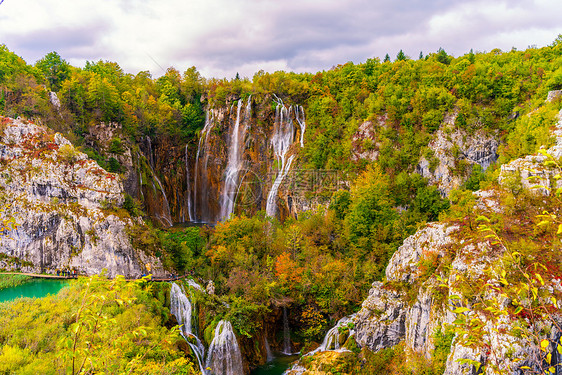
(319, 264)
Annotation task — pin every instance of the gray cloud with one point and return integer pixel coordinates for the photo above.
(223, 37)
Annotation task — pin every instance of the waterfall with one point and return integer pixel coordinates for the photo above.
(181, 308)
(269, 354)
(283, 133)
(140, 176)
(194, 285)
(166, 208)
(299, 115)
(332, 339)
(203, 189)
(224, 355)
(167, 216)
(234, 164)
(188, 187)
(286, 333)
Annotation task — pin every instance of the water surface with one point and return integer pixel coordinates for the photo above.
(276, 367)
(34, 288)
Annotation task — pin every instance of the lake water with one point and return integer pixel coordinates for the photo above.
(275, 367)
(35, 288)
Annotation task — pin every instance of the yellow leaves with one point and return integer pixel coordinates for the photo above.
(540, 279)
(460, 310)
(544, 344)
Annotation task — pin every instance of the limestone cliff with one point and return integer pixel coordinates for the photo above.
(65, 207)
(454, 152)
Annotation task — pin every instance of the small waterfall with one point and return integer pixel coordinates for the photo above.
(224, 356)
(282, 140)
(201, 187)
(194, 285)
(234, 164)
(181, 308)
(188, 187)
(269, 354)
(286, 333)
(332, 339)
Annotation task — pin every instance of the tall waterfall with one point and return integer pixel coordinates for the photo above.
(299, 115)
(181, 308)
(234, 164)
(283, 134)
(167, 217)
(188, 187)
(224, 355)
(201, 187)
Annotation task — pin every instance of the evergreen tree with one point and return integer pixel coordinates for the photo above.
(442, 57)
(401, 56)
(54, 69)
(421, 56)
(386, 58)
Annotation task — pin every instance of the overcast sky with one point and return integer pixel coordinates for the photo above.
(223, 37)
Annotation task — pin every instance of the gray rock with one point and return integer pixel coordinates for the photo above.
(381, 321)
(62, 203)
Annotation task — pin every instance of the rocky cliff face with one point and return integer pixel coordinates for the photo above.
(65, 207)
(454, 153)
(433, 279)
(390, 314)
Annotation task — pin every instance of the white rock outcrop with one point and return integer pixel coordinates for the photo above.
(62, 204)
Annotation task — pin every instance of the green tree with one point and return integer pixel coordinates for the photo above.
(401, 56)
(55, 70)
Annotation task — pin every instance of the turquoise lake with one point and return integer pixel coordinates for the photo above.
(35, 288)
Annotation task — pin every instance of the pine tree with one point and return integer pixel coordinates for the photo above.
(386, 58)
(401, 56)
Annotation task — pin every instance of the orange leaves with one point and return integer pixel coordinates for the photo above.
(287, 270)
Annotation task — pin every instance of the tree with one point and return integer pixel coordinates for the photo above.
(421, 56)
(386, 58)
(401, 56)
(442, 57)
(54, 69)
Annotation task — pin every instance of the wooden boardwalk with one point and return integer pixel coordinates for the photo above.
(45, 276)
(39, 276)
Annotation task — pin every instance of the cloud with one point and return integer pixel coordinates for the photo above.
(223, 37)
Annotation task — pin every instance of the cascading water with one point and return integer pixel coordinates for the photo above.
(299, 115)
(201, 187)
(286, 333)
(283, 134)
(181, 308)
(224, 355)
(188, 187)
(234, 164)
(166, 215)
(332, 339)
(269, 354)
